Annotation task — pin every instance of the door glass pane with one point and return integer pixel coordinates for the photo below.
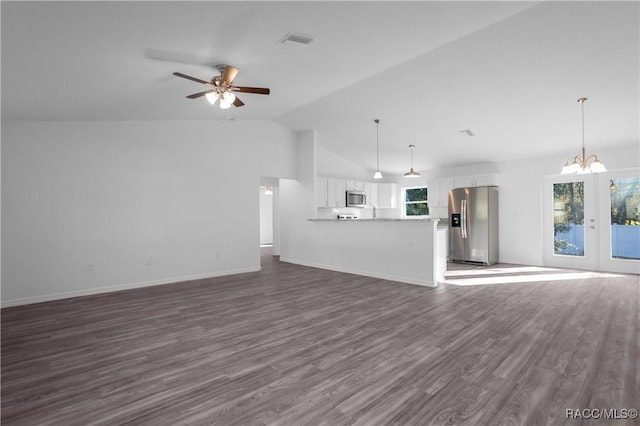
(625, 217)
(568, 218)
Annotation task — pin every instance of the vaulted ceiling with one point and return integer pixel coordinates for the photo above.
(511, 72)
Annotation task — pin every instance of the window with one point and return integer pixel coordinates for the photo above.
(415, 202)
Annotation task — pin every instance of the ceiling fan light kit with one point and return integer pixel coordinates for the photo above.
(412, 173)
(212, 97)
(580, 163)
(222, 88)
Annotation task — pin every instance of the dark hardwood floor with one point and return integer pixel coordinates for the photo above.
(293, 345)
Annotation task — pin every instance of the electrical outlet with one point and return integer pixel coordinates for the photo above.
(149, 261)
(218, 255)
(91, 267)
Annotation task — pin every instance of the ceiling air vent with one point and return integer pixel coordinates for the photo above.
(296, 38)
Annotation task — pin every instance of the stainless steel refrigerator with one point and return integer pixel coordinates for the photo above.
(473, 225)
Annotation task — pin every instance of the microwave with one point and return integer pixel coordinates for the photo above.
(356, 199)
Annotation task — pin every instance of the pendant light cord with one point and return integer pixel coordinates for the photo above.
(411, 146)
(582, 104)
(584, 152)
(377, 144)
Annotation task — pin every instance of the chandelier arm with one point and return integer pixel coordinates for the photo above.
(591, 156)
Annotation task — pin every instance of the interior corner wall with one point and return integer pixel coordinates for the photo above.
(333, 165)
(297, 199)
(89, 207)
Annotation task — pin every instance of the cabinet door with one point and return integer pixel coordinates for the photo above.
(372, 193)
(336, 189)
(387, 194)
(322, 199)
(354, 185)
(445, 185)
(464, 181)
(433, 192)
(487, 180)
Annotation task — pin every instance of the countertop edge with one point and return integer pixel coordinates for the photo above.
(375, 220)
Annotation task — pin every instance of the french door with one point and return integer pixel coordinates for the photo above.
(592, 221)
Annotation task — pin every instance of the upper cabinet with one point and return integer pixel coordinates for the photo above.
(487, 180)
(371, 190)
(438, 192)
(354, 185)
(387, 195)
(330, 192)
(490, 179)
(322, 199)
(336, 192)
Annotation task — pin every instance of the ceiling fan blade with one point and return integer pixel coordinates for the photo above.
(228, 74)
(200, 94)
(244, 89)
(188, 77)
(238, 102)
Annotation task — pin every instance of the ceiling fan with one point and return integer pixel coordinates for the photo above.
(222, 88)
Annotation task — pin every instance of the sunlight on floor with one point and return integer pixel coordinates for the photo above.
(470, 276)
(492, 271)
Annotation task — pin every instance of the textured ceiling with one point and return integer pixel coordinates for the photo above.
(509, 71)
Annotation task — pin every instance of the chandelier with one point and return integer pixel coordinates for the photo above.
(583, 163)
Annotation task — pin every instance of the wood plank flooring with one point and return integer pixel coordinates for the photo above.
(293, 345)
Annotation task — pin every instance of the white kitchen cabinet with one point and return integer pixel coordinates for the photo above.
(322, 199)
(438, 191)
(387, 195)
(336, 192)
(445, 185)
(372, 193)
(464, 181)
(354, 185)
(434, 196)
(487, 180)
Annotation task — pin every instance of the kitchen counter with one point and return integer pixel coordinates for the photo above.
(411, 251)
(374, 220)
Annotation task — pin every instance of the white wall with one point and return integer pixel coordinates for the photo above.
(89, 207)
(297, 200)
(330, 164)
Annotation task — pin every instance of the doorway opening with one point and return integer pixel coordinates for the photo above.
(268, 193)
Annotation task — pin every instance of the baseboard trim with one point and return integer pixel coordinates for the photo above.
(120, 287)
(405, 280)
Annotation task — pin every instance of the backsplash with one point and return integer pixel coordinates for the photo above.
(365, 213)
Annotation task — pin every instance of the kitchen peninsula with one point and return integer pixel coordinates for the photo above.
(412, 251)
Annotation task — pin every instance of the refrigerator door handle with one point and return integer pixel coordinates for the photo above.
(463, 219)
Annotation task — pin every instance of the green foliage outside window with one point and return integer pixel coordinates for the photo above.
(568, 210)
(416, 202)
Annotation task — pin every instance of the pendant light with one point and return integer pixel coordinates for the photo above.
(412, 173)
(377, 174)
(580, 163)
